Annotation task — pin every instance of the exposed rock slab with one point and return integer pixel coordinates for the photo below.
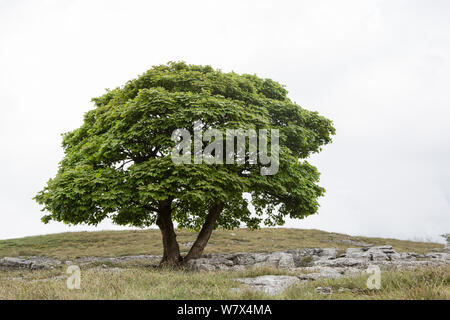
(323, 259)
(32, 263)
(358, 258)
(270, 285)
(318, 273)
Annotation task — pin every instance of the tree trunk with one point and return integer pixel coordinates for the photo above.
(171, 255)
(205, 233)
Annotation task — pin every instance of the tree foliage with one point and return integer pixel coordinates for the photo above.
(118, 164)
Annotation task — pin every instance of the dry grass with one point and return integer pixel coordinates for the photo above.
(119, 243)
(431, 283)
(136, 282)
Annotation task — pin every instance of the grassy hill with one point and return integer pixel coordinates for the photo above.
(118, 243)
(138, 281)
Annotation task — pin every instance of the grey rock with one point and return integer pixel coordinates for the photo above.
(356, 253)
(16, 263)
(353, 259)
(349, 272)
(280, 260)
(380, 253)
(244, 259)
(300, 256)
(211, 262)
(317, 273)
(237, 268)
(270, 284)
(205, 267)
(341, 290)
(326, 253)
(407, 256)
(201, 264)
(260, 257)
(324, 290)
(32, 263)
(442, 256)
(342, 262)
(394, 256)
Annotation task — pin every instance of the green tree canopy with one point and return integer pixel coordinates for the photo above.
(118, 163)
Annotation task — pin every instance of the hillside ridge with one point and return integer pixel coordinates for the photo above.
(73, 245)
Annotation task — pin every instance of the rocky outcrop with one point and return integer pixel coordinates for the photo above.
(307, 264)
(447, 248)
(33, 263)
(325, 264)
(239, 261)
(353, 258)
(39, 262)
(270, 285)
(282, 259)
(325, 259)
(317, 273)
(381, 253)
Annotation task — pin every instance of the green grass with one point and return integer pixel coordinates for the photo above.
(118, 243)
(138, 282)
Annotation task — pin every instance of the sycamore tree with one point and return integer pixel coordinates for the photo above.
(120, 163)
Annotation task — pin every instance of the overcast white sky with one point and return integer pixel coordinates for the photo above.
(379, 69)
